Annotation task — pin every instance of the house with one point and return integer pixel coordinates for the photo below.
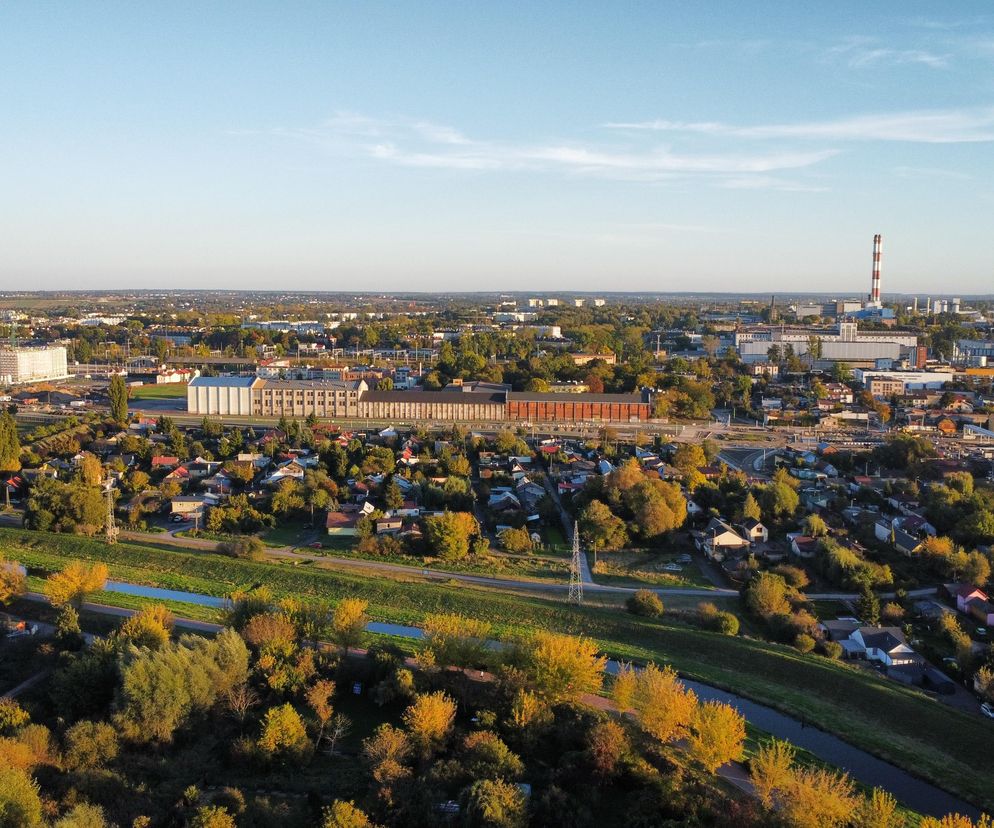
(804, 546)
(755, 531)
(886, 645)
(915, 524)
(838, 629)
(341, 524)
(906, 542)
(964, 594)
(289, 470)
(192, 506)
(982, 610)
(718, 539)
(389, 525)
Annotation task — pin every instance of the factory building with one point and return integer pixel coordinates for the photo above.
(844, 343)
(32, 364)
(255, 396)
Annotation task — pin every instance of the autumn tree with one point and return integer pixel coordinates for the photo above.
(150, 627)
(449, 533)
(341, 814)
(750, 508)
(10, 444)
(767, 595)
(564, 667)
(429, 721)
(13, 582)
(20, 804)
(71, 586)
(770, 768)
(284, 737)
(454, 640)
(717, 735)
(664, 707)
(318, 697)
(878, 810)
(90, 745)
(348, 623)
(493, 803)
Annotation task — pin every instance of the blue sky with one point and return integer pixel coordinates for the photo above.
(441, 146)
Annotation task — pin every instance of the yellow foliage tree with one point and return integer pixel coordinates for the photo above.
(879, 810)
(770, 769)
(454, 640)
(663, 706)
(149, 627)
(816, 798)
(717, 735)
(12, 580)
(564, 667)
(284, 737)
(348, 623)
(429, 721)
(72, 585)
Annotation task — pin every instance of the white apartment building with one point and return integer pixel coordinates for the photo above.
(25, 364)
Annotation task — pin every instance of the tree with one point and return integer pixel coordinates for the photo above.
(816, 798)
(602, 529)
(393, 497)
(13, 581)
(10, 444)
(454, 640)
(645, 602)
(717, 735)
(815, 526)
(348, 623)
(284, 737)
(149, 627)
(663, 706)
(564, 667)
(768, 595)
(20, 805)
(90, 745)
(117, 391)
(607, 746)
(448, 534)
(750, 508)
(770, 768)
(485, 756)
(689, 458)
(12, 716)
(341, 814)
(72, 585)
(212, 816)
(489, 803)
(318, 698)
(878, 810)
(288, 498)
(517, 541)
(429, 721)
(84, 815)
(868, 606)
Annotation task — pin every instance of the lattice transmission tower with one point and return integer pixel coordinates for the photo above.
(575, 578)
(111, 524)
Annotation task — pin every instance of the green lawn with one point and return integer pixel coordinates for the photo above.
(902, 725)
(171, 390)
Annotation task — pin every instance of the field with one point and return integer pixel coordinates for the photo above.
(645, 568)
(172, 390)
(896, 723)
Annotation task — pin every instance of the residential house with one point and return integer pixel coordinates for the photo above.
(389, 525)
(341, 524)
(754, 530)
(886, 645)
(719, 539)
(804, 546)
(164, 461)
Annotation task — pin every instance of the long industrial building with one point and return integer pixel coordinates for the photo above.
(19, 365)
(254, 396)
(846, 343)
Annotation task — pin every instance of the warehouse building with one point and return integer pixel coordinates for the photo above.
(28, 364)
(244, 396)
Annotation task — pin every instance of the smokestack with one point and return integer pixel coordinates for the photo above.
(875, 283)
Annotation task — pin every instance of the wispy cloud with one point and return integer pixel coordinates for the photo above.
(860, 52)
(948, 126)
(416, 143)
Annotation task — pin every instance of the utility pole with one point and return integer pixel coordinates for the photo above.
(575, 581)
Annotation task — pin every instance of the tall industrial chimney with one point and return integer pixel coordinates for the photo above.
(875, 282)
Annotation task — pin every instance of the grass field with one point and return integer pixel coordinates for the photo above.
(172, 390)
(902, 725)
(645, 568)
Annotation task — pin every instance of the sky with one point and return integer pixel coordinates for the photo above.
(588, 146)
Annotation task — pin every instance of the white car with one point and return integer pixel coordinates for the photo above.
(982, 631)
(987, 709)
(673, 567)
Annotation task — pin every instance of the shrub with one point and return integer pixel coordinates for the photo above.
(249, 548)
(645, 602)
(832, 649)
(712, 618)
(804, 642)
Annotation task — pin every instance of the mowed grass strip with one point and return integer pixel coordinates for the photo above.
(902, 725)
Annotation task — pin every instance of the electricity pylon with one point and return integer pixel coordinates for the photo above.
(575, 579)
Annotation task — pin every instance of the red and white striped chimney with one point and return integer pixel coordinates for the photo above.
(875, 283)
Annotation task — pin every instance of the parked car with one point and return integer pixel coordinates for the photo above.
(673, 567)
(684, 559)
(987, 709)
(981, 631)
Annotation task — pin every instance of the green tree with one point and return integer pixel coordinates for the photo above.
(750, 508)
(90, 745)
(393, 497)
(10, 444)
(868, 606)
(602, 529)
(448, 534)
(117, 391)
(429, 721)
(767, 595)
(564, 667)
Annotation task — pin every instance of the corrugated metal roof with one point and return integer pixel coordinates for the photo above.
(222, 382)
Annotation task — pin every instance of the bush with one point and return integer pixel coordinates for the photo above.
(804, 643)
(248, 548)
(711, 618)
(832, 650)
(645, 602)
